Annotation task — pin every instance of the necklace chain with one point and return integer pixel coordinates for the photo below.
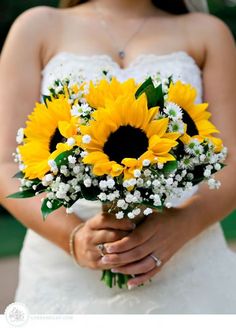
(120, 49)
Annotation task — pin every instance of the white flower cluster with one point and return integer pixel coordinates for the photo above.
(153, 186)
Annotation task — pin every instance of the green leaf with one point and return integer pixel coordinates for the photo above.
(120, 280)
(170, 80)
(46, 210)
(150, 204)
(143, 86)
(19, 175)
(223, 165)
(159, 97)
(45, 98)
(103, 275)
(57, 82)
(170, 166)
(90, 193)
(196, 181)
(107, 278)
(62, 159)
(36, 181)
(198, 173)
(154, 95)
(23, 194)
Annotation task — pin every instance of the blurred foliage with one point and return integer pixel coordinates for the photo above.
(226, 10)
(12, 234)
(229, 226)
(10, 9)
(11, 231)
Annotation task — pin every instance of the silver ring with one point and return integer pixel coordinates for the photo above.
(157, 260)
(101, 248)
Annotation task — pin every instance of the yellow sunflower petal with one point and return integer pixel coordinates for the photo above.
(61, 147)
(147, 155)
(43, 124)
(185, 138)
(35, 158)
(158, 127)
(161, 145)
(116, 169)
(172, 135)
(130, 162)
(217, 142)
(117, 108)
(183, 95)
(205, 128)
(96, 156)
(166, 158)
(66, 129)
(107, 167)
(98, 94)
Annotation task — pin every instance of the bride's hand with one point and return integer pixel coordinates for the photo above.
(102, 228)
(160, 234)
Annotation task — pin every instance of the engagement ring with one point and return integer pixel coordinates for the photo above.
(157, 260)
(101, 248)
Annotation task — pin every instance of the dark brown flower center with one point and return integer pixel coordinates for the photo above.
(191, 126)
(55, 139)
(126, 142)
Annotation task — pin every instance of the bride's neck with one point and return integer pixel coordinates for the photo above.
(126, 7)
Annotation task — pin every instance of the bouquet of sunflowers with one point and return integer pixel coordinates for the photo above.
(134, 147)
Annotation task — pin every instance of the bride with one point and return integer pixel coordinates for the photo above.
(130, 38)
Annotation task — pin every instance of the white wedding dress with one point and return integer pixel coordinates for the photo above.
(200, 278)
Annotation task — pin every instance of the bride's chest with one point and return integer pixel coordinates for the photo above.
(178, 64)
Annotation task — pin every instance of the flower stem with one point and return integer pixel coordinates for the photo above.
(112, 279)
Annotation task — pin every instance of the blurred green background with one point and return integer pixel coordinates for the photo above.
(11, 231)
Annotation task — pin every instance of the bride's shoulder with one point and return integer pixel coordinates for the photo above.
(206, 26)
(36, 15)
(204, 20)
(37, 25)
(208, 32)
(34, 22)
(49, 17)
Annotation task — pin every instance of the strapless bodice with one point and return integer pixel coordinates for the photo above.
(178, 64)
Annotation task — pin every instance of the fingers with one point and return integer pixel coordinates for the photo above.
(132, 255)
(92, 260)
(106, 236)
(109, 221)
(86, 239)
(93, 254)
(141, 234)
(141, 279)
(140, 267)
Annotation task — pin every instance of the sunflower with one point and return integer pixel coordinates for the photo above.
(195, 116)
(47, 132)
(123, 136)
(109, 90)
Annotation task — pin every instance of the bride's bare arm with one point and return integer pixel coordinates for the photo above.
(20, 80)
(20, 67)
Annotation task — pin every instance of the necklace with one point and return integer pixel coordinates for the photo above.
(120, 49)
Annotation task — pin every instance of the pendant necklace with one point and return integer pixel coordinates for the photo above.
(120, 49)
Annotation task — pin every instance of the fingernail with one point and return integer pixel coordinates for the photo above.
(114, 270)
(133, 225)
(109, 249)
(131, 286)
(105, 259)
